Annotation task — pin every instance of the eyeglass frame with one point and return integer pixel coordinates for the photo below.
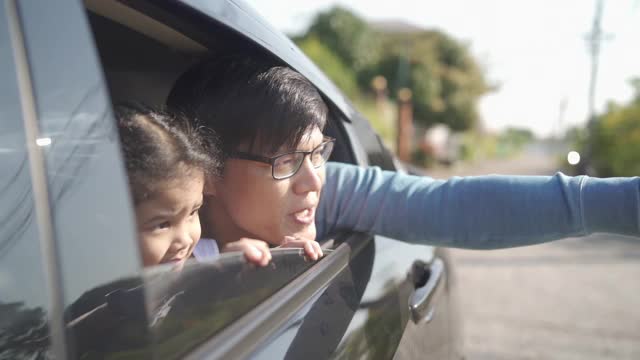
(272, 160)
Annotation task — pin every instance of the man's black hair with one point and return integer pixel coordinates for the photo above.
(248, 98)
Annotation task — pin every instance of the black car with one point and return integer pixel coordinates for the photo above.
(71, 280)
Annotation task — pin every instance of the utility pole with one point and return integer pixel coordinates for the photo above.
(404, 144)
(594, 39)
(562, 109)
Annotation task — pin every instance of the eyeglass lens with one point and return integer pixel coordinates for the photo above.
(288, 164)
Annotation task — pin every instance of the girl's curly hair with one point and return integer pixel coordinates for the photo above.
(161, 146)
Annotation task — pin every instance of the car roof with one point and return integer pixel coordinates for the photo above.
(241, 17)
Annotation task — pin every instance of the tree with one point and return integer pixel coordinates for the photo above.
(24, 332)
(347, 35)
(331, 64)
(616, 138)
(635, 84)
(445, 79)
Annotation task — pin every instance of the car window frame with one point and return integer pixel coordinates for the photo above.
(53, 281)
(245, 334)
(25, 28)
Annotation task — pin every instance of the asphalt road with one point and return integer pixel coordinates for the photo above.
(571, 299)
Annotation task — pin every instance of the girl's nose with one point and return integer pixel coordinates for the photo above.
(182, 239)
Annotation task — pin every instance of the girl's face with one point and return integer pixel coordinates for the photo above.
(248, 202)
(168, 222)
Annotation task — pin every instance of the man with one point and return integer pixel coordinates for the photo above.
(269, 120)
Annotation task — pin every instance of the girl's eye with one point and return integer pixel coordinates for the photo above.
(162, 225)
(194, 212)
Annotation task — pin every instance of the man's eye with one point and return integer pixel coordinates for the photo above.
(316, 156)
(286, 160)
(289, 160)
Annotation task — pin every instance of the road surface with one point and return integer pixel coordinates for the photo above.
(572, 299)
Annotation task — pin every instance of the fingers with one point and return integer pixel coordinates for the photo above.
(291, 241)
(258, 253)
(318, 249)
(255, 251)
(311, 248)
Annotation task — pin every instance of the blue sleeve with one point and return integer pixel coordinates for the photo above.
(483, 212)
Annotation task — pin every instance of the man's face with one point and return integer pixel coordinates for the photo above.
(249, 202)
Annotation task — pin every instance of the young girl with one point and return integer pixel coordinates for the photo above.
(167, 162)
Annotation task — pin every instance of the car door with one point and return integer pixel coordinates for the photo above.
(354, 302)
(66, 222)
(417, 275)
(378, 293)
(93, 302)
(26, 317)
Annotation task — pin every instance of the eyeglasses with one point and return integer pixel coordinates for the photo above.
(286, 165)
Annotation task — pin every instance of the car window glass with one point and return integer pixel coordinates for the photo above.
(24, 331)
(92, 216)
(191, 306)
(90, 208)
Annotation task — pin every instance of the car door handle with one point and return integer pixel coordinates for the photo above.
(429, 280)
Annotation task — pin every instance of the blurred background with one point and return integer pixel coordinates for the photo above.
(511, 87)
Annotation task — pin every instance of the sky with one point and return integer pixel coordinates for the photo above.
(535, 50)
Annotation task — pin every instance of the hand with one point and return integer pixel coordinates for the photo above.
(255, 251)
(311, 248)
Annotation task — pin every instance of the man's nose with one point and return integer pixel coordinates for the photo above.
(308, 178)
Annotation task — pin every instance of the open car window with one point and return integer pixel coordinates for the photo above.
(188, 307)
(143, 52)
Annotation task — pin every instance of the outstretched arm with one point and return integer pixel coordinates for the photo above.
(483, 212)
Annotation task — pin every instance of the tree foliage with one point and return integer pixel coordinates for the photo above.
(347, 35)
(616, 138)
(24, 333)
(445, 79)
(332, 65)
